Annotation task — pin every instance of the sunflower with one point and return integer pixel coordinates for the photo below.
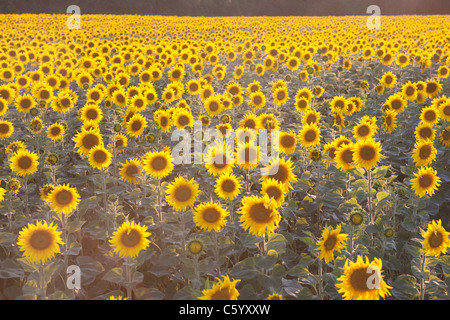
(274, 189)
(435, 239)
(257, 100)
(364, 130)
(344, 157)
(444, 110)
(388, 80)
(213, 105)
(158, 164)
(247, 155)
(130, 170)
(281, 170)
(409, 91)
(129, 239)
(444, 137)
(193, 87)
(259, 215)
(332, 240)
(182, 118)
(182, 193)
(287, 141)
(338, 104)
(119, 97)
(402, 60)
(2, 194)
(390, 121)
(91, 112)
(209, 216)
(24, 162)
(396, 102)
(55, 131)
(432, 88)
(357, 281)
(366, 153)
(14, 186)
(425, 181)
(36, 125)
(45, 191)
(219, 159)
(309, 135)
(424, 153)
(250, 121)
(311, 116)
(280, 95)
(24, 103)
(99, 157)
(301, 104)
(429, 115)
(136, 125)
(424, 131)
(86, 140)
(164, 120)
(64, 199)
(443, 72)
(222, 290)
(39, 242)
(228, 186)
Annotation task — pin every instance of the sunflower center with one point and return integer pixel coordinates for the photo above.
(331, 153)
(435, 239)
(367, 153)
(425, 152)
(388, 79)
(90, 140)
(25, 162)
(220, 161)
(259, 213)
(302, 104)
(183, 193)
(310, 135)
(430, 115)
(100, 156)
(221, 294)
(281, 175)
(164, 121)
(211, 215)
(55, 131)
(409, 91)
(136, 125)
(425, 181)
(431, 87)
(132, 170)
(339, 104)
(44, 94)
(358, 279)
(281, 95)
(396, 104)
(64, 197)
(446, 135)
(274, 192)
(363, 130)
(347, 156)
(41, 240)
(95, 95)
(388, 120)
(446, 110)
(330, 242)
(228, 186)
(159, 163)
(131, 238)
(91, 114)
(257, 100)
(250, 123)
(25, 103)
(425, 132)
(176, 74)
(287, 141)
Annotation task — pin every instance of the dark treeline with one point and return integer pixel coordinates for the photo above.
(229, 7)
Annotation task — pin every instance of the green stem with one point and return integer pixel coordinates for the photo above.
(42, 285)
(423, 263)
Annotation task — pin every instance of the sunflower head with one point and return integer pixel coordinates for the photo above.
(129, 239)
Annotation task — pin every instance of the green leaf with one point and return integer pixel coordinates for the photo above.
(10, 269)
(114, 275)
(89, 269)
(277, 242)
(380, 172)
(404, 287)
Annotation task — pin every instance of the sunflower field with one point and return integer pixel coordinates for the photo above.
(95, 204)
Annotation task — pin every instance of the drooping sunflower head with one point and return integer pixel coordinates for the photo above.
(362, 280)
(222, 290)
(332, 240)
(210, 216)
(436, 240)
(129, 239)
(39, 242)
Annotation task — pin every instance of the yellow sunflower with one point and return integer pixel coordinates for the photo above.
(158, 164)
(287, 141)
(247, 155)
(24, 103)
(130, 170)
(309, 135)
(228, 186)
(219, 159)
(6, 129)
(366, 153)
(435, 239)
(362, 280)
(56, 131)
(274, 189)
(129, 239)
(182, 193)
(364, 131)
(99, 157)
(281, 170)
(64, 199)
(424, 153)
(397, 102)
(39, 242)
(389, 121)
(136, 125)
(332, 240)
(444, 137)
(86, 140)
(444, 110)
(210, 216)
(425, 181)
(429, 115)
(344, 157)
(424, 131)
(259, 215)
(24, 162)
(222, 290)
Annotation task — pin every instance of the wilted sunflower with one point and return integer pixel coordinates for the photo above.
(210, 216)
(158, 164)
(55, 131)
(362, 280)
(99, 157)
(435, 239)
(182, 193)
(425, 181)
(45, 191)
(222, 290)
(129, 239)
(366, 153)
(332, 240)
(136, 125)
(259, 215)
(24, 162)
(228, 186)
(39, 242)
(130, 170)
(424, 153)
(64, 199)
(86, 140)
(309, 135)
